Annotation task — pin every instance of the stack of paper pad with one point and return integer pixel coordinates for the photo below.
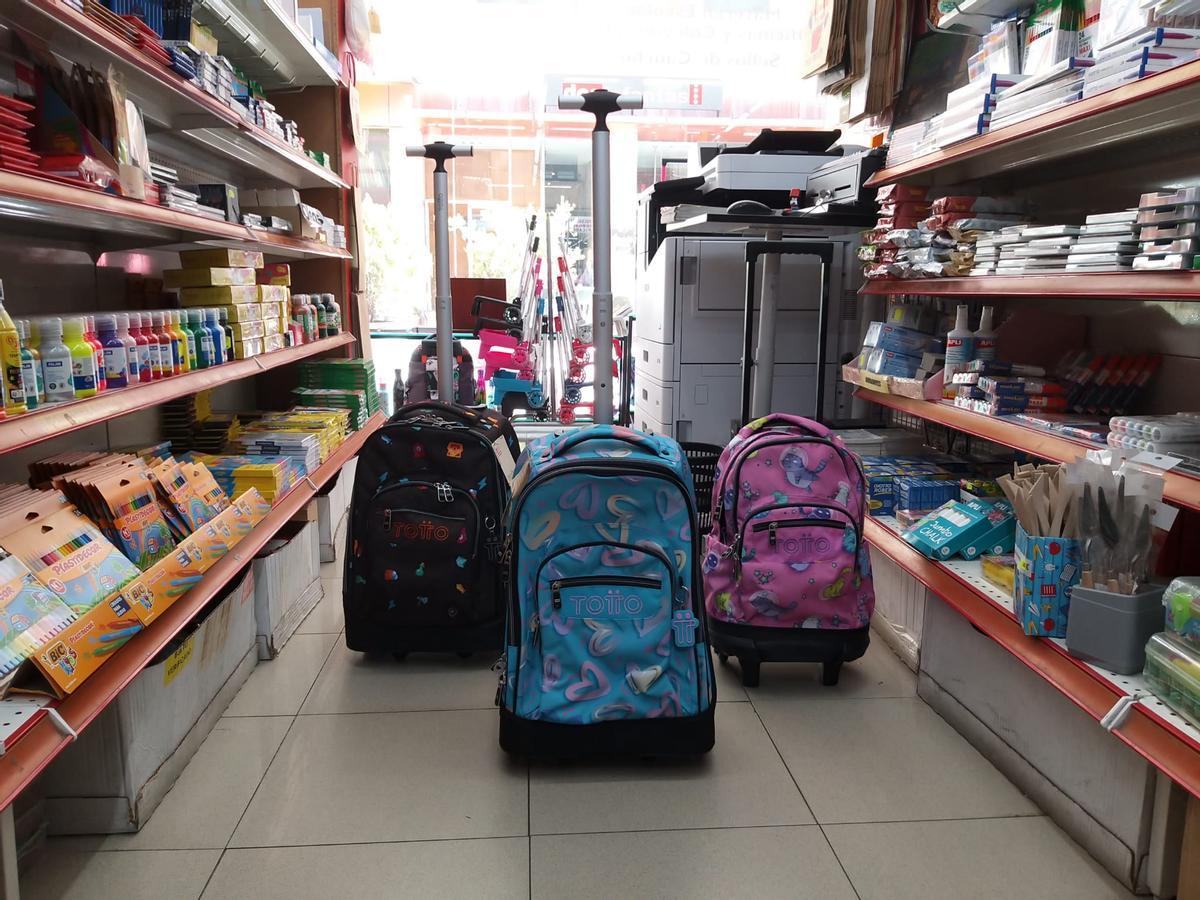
(988, 247)
(1061, 85)
(1167, 225)
(343, 374)
(1148, 53)
(329, 426)
(909, 142)
(273, 476)
(1041, 248)
(1106, 243)
(301, 447)
(354, 401)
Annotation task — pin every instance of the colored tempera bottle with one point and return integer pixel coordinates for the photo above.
(10, 360)
(175, 343)
(116, 354)
(203, 338)
(83, 356)
(335, 312)
(57, 362)
(223, 321)
(318, 301)
(138, 323)
(131, 347)
(187, 340)
(213, 324)
(31, 367)
(153, 346)
(90, 335)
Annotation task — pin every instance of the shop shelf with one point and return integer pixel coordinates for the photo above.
(1139, 111)
(30, 751)
(1165, 740)
(1180, 489)
(62, 418)
(266, 43)
(170, 104)
(64, 212)
(977, 15)
(1101, 286)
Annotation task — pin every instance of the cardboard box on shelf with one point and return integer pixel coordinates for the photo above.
(114, 776)
(287, 578)
(244, 349)
(174, 279)
(243, 331)
(244, 312)
(333, 502)
(220, 258)
(226, 295)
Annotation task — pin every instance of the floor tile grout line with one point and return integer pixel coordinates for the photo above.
(529, 822)
(807, 806)
(208, 880)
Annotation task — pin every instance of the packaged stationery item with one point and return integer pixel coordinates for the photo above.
(1168, 262)
(228, 295)
(1169, 215)
(957, 527)
(212, 277)
(137, 521)
(221, 258)
(1182, 602)
(1173, 673)
(886, 336)
(30, 614)
(1046, 569)
(1000, 570)
(885, 362)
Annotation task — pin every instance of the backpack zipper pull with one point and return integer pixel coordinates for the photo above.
(535, 629)
(444, 492)
(556, 594)
(387, 520)
(771, 533)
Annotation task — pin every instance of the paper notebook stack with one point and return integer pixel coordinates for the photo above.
(1167, 224)
(989, 247)
(1106, 243)
(1035, 95)
(1040, 249)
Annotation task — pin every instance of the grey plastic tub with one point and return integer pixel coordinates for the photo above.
(1110, 629)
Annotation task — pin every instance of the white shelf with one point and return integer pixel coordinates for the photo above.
(266, 43)
(977, 15)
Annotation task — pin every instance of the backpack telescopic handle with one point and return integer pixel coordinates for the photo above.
(439, 152)
(600, 103)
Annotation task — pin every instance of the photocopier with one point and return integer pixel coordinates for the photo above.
(691, 281)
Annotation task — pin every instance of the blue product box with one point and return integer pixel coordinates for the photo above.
(887, 362)
(1046, 570)
(896, 338)
(955, 526)
(1001, 538)
(881, 500)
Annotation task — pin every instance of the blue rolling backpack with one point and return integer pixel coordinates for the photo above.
(606, 644)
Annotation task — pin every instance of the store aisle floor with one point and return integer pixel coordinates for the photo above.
(332, 776)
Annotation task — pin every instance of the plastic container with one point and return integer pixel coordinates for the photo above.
(960, 348)
(31, 367)
(223, 321)
(84, 372)
(90, 335)
(57, 361)
(131, 347)
(1173, 674)
(213, 325)
(1110, 629)
(200, 336)
(317, 301)
(137, 331)
(1182, 600)
(116, 354)
(10, 359)
(985, 337)
(333, 313)
(167, 359)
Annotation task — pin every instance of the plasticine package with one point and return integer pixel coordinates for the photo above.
(1046, 570)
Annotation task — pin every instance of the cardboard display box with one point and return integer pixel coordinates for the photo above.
(114, 776)
(332, 505)
(287, 579)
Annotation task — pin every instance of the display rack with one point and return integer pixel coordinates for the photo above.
(1151, 729)
(1101, 286)
(115, 223)
(168, 102)
(32, 750)
(1146, 109)
(1179, 489)
(62, 418)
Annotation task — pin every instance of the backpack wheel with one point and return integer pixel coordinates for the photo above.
(750, 671)
(830, 672)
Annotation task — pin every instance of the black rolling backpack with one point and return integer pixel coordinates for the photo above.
(423, 547)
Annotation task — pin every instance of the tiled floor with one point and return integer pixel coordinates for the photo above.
(335, 776)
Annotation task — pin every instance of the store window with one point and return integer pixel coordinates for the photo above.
(488, 73)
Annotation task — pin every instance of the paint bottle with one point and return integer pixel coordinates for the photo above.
(168, 357)
(959, 351)
(31, 367)
(223, 321)
(318, 301)
(202, 337)
(10, 361)
(83, 356)
(187, 340)
(89, 335)
(116, 354)
(57, 362)
(179, 344)
(334, 313)
(138, 323)
(213, 325)
(985, 337)
(132, 351)
(300, 315)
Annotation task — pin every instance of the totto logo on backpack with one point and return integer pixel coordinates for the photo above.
(607, 653)
(786, 572)
(423, 547)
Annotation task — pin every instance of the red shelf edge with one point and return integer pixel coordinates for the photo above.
(1181, 490)
(62, 418)
(1108, 101)
(1100, 286)
(1145, 733)
(27, 757)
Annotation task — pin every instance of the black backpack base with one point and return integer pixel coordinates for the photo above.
(666, 738)
(366, 638)
(754, 645)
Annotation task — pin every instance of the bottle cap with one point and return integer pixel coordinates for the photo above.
(50, 328)
(210, 316)
(106, 323)
(135, 320)
(156, 318)
(193, 317)
(123, 322)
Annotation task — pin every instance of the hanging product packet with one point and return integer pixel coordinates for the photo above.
(137, 521)
(192, 493)
(66, 552)
(30, 614)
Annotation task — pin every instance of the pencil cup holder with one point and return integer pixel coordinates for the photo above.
(1046, 569)
(1111, 630)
